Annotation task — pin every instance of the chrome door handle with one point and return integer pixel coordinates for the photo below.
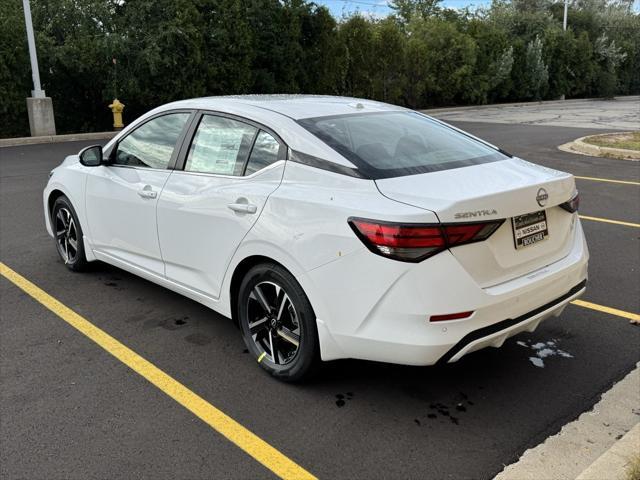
(243, 207)
(146, 192)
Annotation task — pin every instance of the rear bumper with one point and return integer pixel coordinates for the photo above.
(379, 309)
(495, 335)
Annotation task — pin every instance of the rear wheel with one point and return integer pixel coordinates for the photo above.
(68, 234)
(278, 323)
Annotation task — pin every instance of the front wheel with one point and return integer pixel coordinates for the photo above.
(277, 322)
(68, 234)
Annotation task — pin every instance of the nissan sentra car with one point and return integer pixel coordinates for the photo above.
(327, 227)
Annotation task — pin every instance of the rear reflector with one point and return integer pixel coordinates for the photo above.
(450, 316)
(412, 242)
(572, 205)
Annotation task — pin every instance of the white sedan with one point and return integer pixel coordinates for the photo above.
(327, 227)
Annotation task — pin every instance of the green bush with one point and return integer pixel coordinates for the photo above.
(149, 52)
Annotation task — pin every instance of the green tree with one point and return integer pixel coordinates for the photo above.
(76, 46)
(389, 45)
(559, 48)
(417, 66)
(161, 56)
(536, 72)
(443, 63)
(407, 10)
(501, 74)
(276, 30)
(15, 72)
(609, 56)
(581, 69)
(317, 71)
(520, 23)
(228, 51)
(622, 26)
(355, 57)
(494, 61)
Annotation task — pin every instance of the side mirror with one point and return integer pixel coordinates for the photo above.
(91, 156)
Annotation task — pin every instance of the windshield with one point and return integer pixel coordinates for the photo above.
(393, 144)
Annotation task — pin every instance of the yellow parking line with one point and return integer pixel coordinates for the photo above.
(634, 317)
(253, 445)
(608, 180)
(606, 220)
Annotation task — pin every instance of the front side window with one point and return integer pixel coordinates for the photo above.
(264, 153)
(393, 144)
(221, 146)
(151, 145)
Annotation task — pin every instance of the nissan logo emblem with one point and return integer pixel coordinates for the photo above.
(541, 197)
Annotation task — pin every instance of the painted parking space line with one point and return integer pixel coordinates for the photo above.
(608, 180)
(634, 317)
(233, 431)
(607, 220)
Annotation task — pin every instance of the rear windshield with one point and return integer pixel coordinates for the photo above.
(393, 144)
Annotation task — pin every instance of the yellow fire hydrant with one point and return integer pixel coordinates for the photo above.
(117, 108)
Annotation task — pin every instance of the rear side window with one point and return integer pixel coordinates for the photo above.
(264, 153)
(152, 144)
(221, 146)
(393, 144)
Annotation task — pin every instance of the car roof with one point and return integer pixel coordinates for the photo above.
(279, 113)
(293, 106)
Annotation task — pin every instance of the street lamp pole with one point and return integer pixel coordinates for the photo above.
(37, 91)
(39, 106)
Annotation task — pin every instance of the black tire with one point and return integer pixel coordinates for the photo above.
(68, 234)
(286, 322)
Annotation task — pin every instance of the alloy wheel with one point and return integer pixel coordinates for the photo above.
(66, 235)
(273, 323)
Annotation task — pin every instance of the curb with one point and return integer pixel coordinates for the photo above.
(613, 463)
(73, 137)
(524, 104)
(584, 148)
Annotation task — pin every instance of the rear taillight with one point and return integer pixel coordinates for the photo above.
(572, 205)
(411, 242)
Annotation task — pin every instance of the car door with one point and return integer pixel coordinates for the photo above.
(121, 197)
(229, 170)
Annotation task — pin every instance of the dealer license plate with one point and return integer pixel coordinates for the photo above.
(529, 229)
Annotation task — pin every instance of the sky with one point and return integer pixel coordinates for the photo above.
(379, 8)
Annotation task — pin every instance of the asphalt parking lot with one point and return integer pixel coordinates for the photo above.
(69, 409)
(619, 114)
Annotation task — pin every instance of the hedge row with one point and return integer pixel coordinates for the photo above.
(149, 52)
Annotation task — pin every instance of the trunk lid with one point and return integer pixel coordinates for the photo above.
(498, 190)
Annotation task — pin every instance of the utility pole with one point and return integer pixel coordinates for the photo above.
(39, 106)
